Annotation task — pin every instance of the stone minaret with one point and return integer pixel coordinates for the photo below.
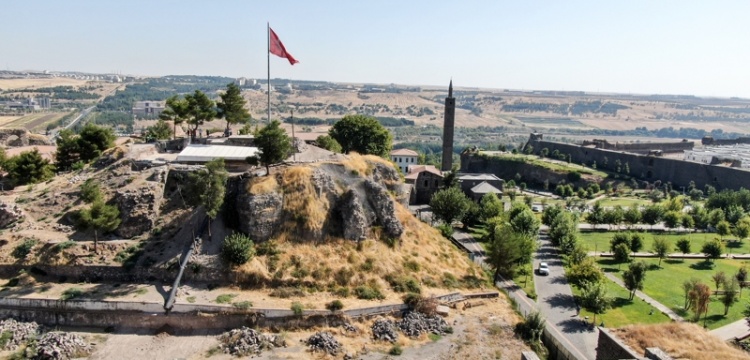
(450, 115)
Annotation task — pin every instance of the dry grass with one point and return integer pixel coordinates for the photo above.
(9, 84)
(356, 162)
(262, 185)
(679, 340)
(301, 200)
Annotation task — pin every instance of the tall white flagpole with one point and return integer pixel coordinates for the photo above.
(268, 33)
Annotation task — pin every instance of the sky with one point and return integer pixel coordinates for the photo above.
(647, 47)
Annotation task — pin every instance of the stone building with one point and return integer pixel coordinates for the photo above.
(404, 158)
(425, 180)
(468, 181)
(148, 109)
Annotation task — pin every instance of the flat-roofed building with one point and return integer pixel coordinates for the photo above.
(404, 158)
(148, 109)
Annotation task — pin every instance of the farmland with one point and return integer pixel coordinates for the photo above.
(35, 122)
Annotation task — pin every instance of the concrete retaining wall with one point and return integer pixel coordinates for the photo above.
(609, 347)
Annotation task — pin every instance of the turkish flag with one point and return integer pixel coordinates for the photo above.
(278, 49)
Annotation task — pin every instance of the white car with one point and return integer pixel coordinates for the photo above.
(543, 269)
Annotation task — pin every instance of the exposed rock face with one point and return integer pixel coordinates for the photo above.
(138, 210)
(354, 204)
(259, 215)
(9, 214)
(21, 137)
(384, 209)
(355, 224)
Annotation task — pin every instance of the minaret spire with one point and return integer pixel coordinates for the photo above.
(450, 89)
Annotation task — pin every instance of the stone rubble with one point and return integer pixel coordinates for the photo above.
(324, 341)
(349, 328)
(385, 330)
(415, 323)
(246, 341)
(61, 346)
(9, 214)
(20, 332)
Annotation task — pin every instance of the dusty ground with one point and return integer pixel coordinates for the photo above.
(483, 332)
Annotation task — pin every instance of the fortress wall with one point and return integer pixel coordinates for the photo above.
(651, 168)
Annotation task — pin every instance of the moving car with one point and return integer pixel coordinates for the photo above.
(543, 269)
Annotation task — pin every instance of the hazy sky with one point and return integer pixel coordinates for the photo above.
(675, 47)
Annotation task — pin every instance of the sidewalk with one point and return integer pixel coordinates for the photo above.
(737, 329)
(659, 306)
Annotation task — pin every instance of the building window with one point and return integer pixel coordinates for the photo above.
(426, 183)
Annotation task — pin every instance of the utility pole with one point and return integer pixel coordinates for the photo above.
(294, 147)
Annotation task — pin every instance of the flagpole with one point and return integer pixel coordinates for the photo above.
(268, 62)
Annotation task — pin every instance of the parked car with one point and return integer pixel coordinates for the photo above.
(543, 269)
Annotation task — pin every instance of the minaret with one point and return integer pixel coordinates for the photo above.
(450, 115)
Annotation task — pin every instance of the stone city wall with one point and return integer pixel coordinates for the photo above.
(609, 347)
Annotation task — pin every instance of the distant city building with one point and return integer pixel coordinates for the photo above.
(44, 103)
(150, 109)
(404, 158)
(732, 156)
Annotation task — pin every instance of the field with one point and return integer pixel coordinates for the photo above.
(34, 122)
(599, 241)
(624, 202)
(665, 285)
(624, 311)
(7, 84)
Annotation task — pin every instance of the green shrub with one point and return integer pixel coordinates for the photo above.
(191, 299)
(450, 281)
(287, 292)
(268, 248)
(412, 265)
(243, 305)
(446, 230)
(21, 251)
(71, 293)
(63, 245)
(403, 283)
(335, 305)
(5, 337)
(367, 292)
(368, 265)
(237, 249)
(297, 308)
(341, 291)
(225, 298)
(90, 191)
(395, 350)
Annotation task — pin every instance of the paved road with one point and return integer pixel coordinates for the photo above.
(468, 242)
(556, 302)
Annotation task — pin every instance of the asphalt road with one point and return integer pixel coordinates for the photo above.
(556, 302)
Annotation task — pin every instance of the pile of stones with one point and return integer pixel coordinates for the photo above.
(415, 323)
(61, 346)
(246, 341)
(384, 330)
(15, 333)
(349, 328)
(325, 342)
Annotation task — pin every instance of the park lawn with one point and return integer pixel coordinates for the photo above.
(599, 241)
(623, 201)
(526, 282)
(665, 285)
(624, 312)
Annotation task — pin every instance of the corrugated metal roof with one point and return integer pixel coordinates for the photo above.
(205, 153)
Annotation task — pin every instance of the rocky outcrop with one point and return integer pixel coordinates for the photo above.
(9, 214)
(260, 215)
(138, 210)
(21, 137)
(353, 217)
(384, 209)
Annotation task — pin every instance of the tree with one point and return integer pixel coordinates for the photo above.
(621, 254)
(207, 188)
(617, 239)
(90, 191)
(700, 216)
(28, 167)
(687, 222)
(614, 216)
(490, 206)
(506, 249)
(550, 213)
(237, 249)
(672, 219)
(742, 230)
(328, 143)
(687, 287)
(449, 204)
(715, 217)
(634, 277)
(652, 214)
(719, 279)
(632, 215)
(661, 247)
(158, 131)
(525, 223)
(699, 296)
(177, 111)
(741, 277)
(100, 218)
(723, 228)
(596, 216)
(586, 271)
(231, 107)
(451, 177)
(274, 145)
(594, 298)
(712, 249)
(67, 152)
(362, 134)
(683, 245)
(200, 110)
(636, 242)
(94, 140)
(730, 295)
